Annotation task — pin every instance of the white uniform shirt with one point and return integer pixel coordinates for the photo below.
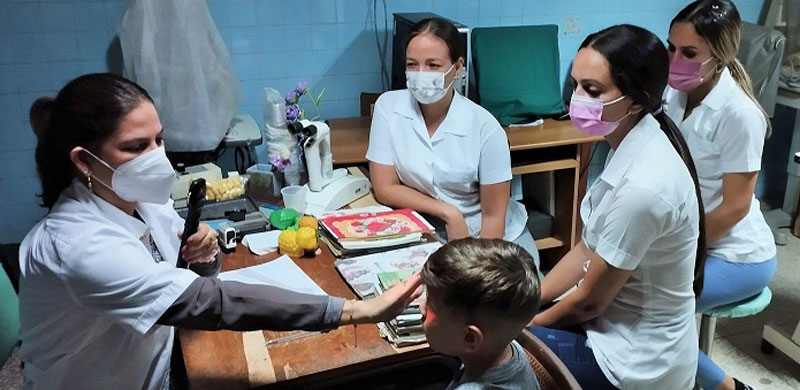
(641, 215)
(725, 134)
(468, 149)
(91, 293)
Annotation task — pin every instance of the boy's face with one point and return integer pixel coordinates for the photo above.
(444, 329)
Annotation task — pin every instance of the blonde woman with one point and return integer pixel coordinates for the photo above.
(712, 102)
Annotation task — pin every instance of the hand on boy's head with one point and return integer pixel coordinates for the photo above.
(391, 303)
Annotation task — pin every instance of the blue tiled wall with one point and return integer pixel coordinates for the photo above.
(330, 43)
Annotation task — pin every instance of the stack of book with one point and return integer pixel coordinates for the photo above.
(371, 275)
(359, 232)
(406, 328)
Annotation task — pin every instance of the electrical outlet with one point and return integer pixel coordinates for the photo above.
(572, 26)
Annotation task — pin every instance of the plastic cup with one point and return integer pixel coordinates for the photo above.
(294, 197)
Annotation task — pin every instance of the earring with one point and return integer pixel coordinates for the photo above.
(89, 181)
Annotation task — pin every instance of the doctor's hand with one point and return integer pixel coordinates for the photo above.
(202, 246)
(455, 224)
(384, 307)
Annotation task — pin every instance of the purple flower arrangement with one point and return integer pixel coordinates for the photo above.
(293, 111)
(293, 114)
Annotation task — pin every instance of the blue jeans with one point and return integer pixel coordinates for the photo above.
(570, 345)
(727, 282)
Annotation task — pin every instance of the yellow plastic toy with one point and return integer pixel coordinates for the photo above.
(307, 238)
(287, 244)
(308, 221)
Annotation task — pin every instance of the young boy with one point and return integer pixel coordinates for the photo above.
(480, 294)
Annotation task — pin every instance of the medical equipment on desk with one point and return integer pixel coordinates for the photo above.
(197, 198)
(231, 232)
(329, 189)
(186, 175)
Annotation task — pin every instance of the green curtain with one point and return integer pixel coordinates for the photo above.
(516, 71)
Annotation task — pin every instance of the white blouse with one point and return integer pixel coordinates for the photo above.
(725, 134)
(468, 149)
(92, 290)
(641, 215)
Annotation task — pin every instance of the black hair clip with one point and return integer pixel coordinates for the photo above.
(715, 13)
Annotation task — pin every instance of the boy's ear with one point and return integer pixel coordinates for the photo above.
(473, 339)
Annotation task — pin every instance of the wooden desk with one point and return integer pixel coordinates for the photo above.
(555, 146)
(240, 360)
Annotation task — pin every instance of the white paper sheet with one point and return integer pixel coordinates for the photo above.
(262, 243)
(281, 272)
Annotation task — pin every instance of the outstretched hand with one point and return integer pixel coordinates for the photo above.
(386, 306)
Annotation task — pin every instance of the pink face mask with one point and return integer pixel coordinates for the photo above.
(587, 115)
(685, 75)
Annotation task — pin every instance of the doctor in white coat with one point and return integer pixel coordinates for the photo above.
(435, 151)
(99, 291)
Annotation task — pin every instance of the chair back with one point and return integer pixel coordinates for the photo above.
(517, 71)
(9, 318)
(550, 372)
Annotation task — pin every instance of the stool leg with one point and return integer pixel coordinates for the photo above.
(708, 325)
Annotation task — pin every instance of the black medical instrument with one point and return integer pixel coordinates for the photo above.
(195, 201)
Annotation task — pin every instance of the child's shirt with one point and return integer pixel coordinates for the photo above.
(516, 374)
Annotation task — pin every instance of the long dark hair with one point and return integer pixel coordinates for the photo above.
(719, 23)
(445, 31)
(639, 64)
(84, 113)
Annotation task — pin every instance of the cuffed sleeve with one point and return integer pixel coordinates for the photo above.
(495, 159)
(741, 141)
(635, 218)
(380, 140)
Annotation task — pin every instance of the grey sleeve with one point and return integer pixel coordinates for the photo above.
(207, 269)
(212, 304)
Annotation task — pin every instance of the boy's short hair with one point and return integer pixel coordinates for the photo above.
(474, 274)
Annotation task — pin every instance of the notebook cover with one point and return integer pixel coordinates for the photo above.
(367, 226)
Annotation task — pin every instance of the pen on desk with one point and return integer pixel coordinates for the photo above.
(291, 337)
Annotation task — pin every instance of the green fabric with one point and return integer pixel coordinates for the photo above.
(743, 308)
(9, 317)
(516, 71)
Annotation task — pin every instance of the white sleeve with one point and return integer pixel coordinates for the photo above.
(741, 141)
(116, 276)
(495, 163)
(634, 219)
(380, 141)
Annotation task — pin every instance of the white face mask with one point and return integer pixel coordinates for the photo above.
(147, 178)
(426, 86)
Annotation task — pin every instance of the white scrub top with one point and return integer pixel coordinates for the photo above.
(641, 215)
(468, 149)
(91, 292)
(725, 134)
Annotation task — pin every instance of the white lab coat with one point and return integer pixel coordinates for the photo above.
(468, 149)
(641, 215)
(91, 292)
(725, 134)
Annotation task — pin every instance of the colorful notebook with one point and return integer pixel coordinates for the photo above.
(361, 272)
(371, 226)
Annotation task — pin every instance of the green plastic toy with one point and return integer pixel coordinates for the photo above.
(284, 219)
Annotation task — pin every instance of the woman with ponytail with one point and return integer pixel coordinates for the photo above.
(99, 291)
(712, 101)
(630, 322)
